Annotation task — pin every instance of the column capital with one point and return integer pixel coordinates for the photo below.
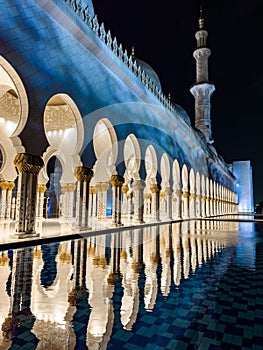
(68, 187)
(4, 185)
(125, 188)
(101, 186)
(185, 194)
(41, 188)
(83, 174)
(117, 180)
(28, 163)
(11, 185)
(139, 185)
(155, 188)
(92, 190)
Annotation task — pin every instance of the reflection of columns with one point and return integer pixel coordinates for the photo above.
(116, 182)
(41, 188)
(138, 188)
(101, 188)
(67, 191)
(83, 175)
(155, 189)
(168, 193)
(28, 166)
(20, 319)
(177, 204)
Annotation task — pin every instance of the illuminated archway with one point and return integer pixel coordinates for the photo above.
(176, 210)
(185, 193)
(13, 117)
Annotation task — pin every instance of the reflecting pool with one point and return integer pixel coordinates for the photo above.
(189, 285)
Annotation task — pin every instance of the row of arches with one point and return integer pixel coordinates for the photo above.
(125, 176)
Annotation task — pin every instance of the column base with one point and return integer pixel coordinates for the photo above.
(116, 225)
(138, 222)
(82, 228)
(26, 234)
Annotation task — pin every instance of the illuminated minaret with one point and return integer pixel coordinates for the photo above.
(202, 89)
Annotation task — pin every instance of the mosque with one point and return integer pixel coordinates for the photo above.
(87, 134)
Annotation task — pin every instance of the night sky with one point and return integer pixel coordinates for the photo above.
(163, 36)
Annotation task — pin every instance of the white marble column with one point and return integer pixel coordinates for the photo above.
(101, 188)
(10, 188)
(40, 200)
(4, 187)
(185, 204)
(155, 213)
(116, 182)
(83, 176)
(138, 188)
(177, 204)
(168, 192)
(28, 167)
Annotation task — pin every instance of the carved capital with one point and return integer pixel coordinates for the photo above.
(28, 163)
(155, 188)
(185, 194)
(102, 186)
(41, 188)
(4, 185)
(92, 190)
(117, 180)
(125, 189)
(168, 191)
(11, 185)
(138, 185)
(83, 174)
(147, 196)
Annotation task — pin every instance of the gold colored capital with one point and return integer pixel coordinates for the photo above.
(185, 194)
(41, 188)
(11, 185)
(83, 174)
(125, 189)
(155, 188)
(28, 163)
(92, 190)
(117, 180)
(4, 185)
(102, 186)
(138, 185)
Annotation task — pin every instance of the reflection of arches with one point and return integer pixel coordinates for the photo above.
(105, 144)
(132, 156)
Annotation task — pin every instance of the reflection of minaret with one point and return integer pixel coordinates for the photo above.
(202, 89)
(21, 320)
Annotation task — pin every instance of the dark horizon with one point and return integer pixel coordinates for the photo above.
(164, 37)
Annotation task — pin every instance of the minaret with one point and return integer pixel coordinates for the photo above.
(202, 89)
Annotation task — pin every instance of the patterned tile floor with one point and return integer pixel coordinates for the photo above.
(218, 306)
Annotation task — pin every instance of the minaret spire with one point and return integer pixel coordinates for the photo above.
(201, 18)
(202, 89)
